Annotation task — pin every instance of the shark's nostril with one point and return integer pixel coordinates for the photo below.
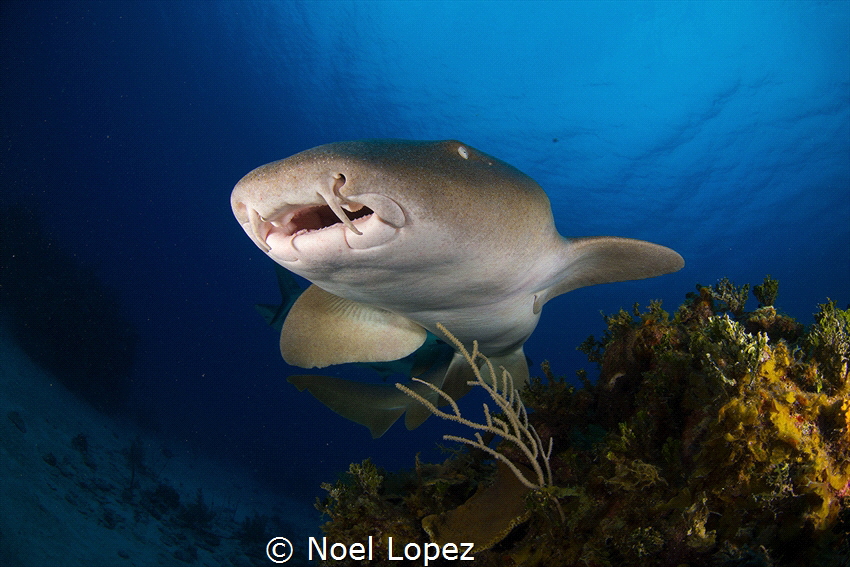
(240, 209)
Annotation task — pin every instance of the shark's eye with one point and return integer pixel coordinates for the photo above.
(464, 153)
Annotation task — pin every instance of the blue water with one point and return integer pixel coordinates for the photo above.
(719, 129)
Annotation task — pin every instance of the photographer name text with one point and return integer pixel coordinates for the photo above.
(411, 551)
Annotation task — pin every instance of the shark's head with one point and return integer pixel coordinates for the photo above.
(347, 202)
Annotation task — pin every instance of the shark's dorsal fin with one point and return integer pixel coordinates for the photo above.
(270, 313)
(323, 329)
(604, 259)
(275, 315)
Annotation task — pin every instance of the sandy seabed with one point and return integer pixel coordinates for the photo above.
(65, 496)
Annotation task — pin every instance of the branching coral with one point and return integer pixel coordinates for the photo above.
(514, 428)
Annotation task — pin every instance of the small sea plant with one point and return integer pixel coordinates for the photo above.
(254, 530)
(730, 297)
(829, 340)
(135, 455)
(197, 515)
(767, 291)
(358, 509)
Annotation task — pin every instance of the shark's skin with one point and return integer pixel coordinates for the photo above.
(397, 236)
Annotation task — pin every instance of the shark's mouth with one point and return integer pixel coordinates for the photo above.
(318, 217)
(295, 232)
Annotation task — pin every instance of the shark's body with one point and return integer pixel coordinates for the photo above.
(397, 236)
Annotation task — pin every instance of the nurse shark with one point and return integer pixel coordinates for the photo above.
(397, 236)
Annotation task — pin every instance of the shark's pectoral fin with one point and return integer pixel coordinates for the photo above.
(323, 329)
(604, 259)
(377, 406)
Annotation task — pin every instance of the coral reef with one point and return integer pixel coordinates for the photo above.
(716, 436)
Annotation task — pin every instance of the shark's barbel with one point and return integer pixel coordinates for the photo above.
(399, 235)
